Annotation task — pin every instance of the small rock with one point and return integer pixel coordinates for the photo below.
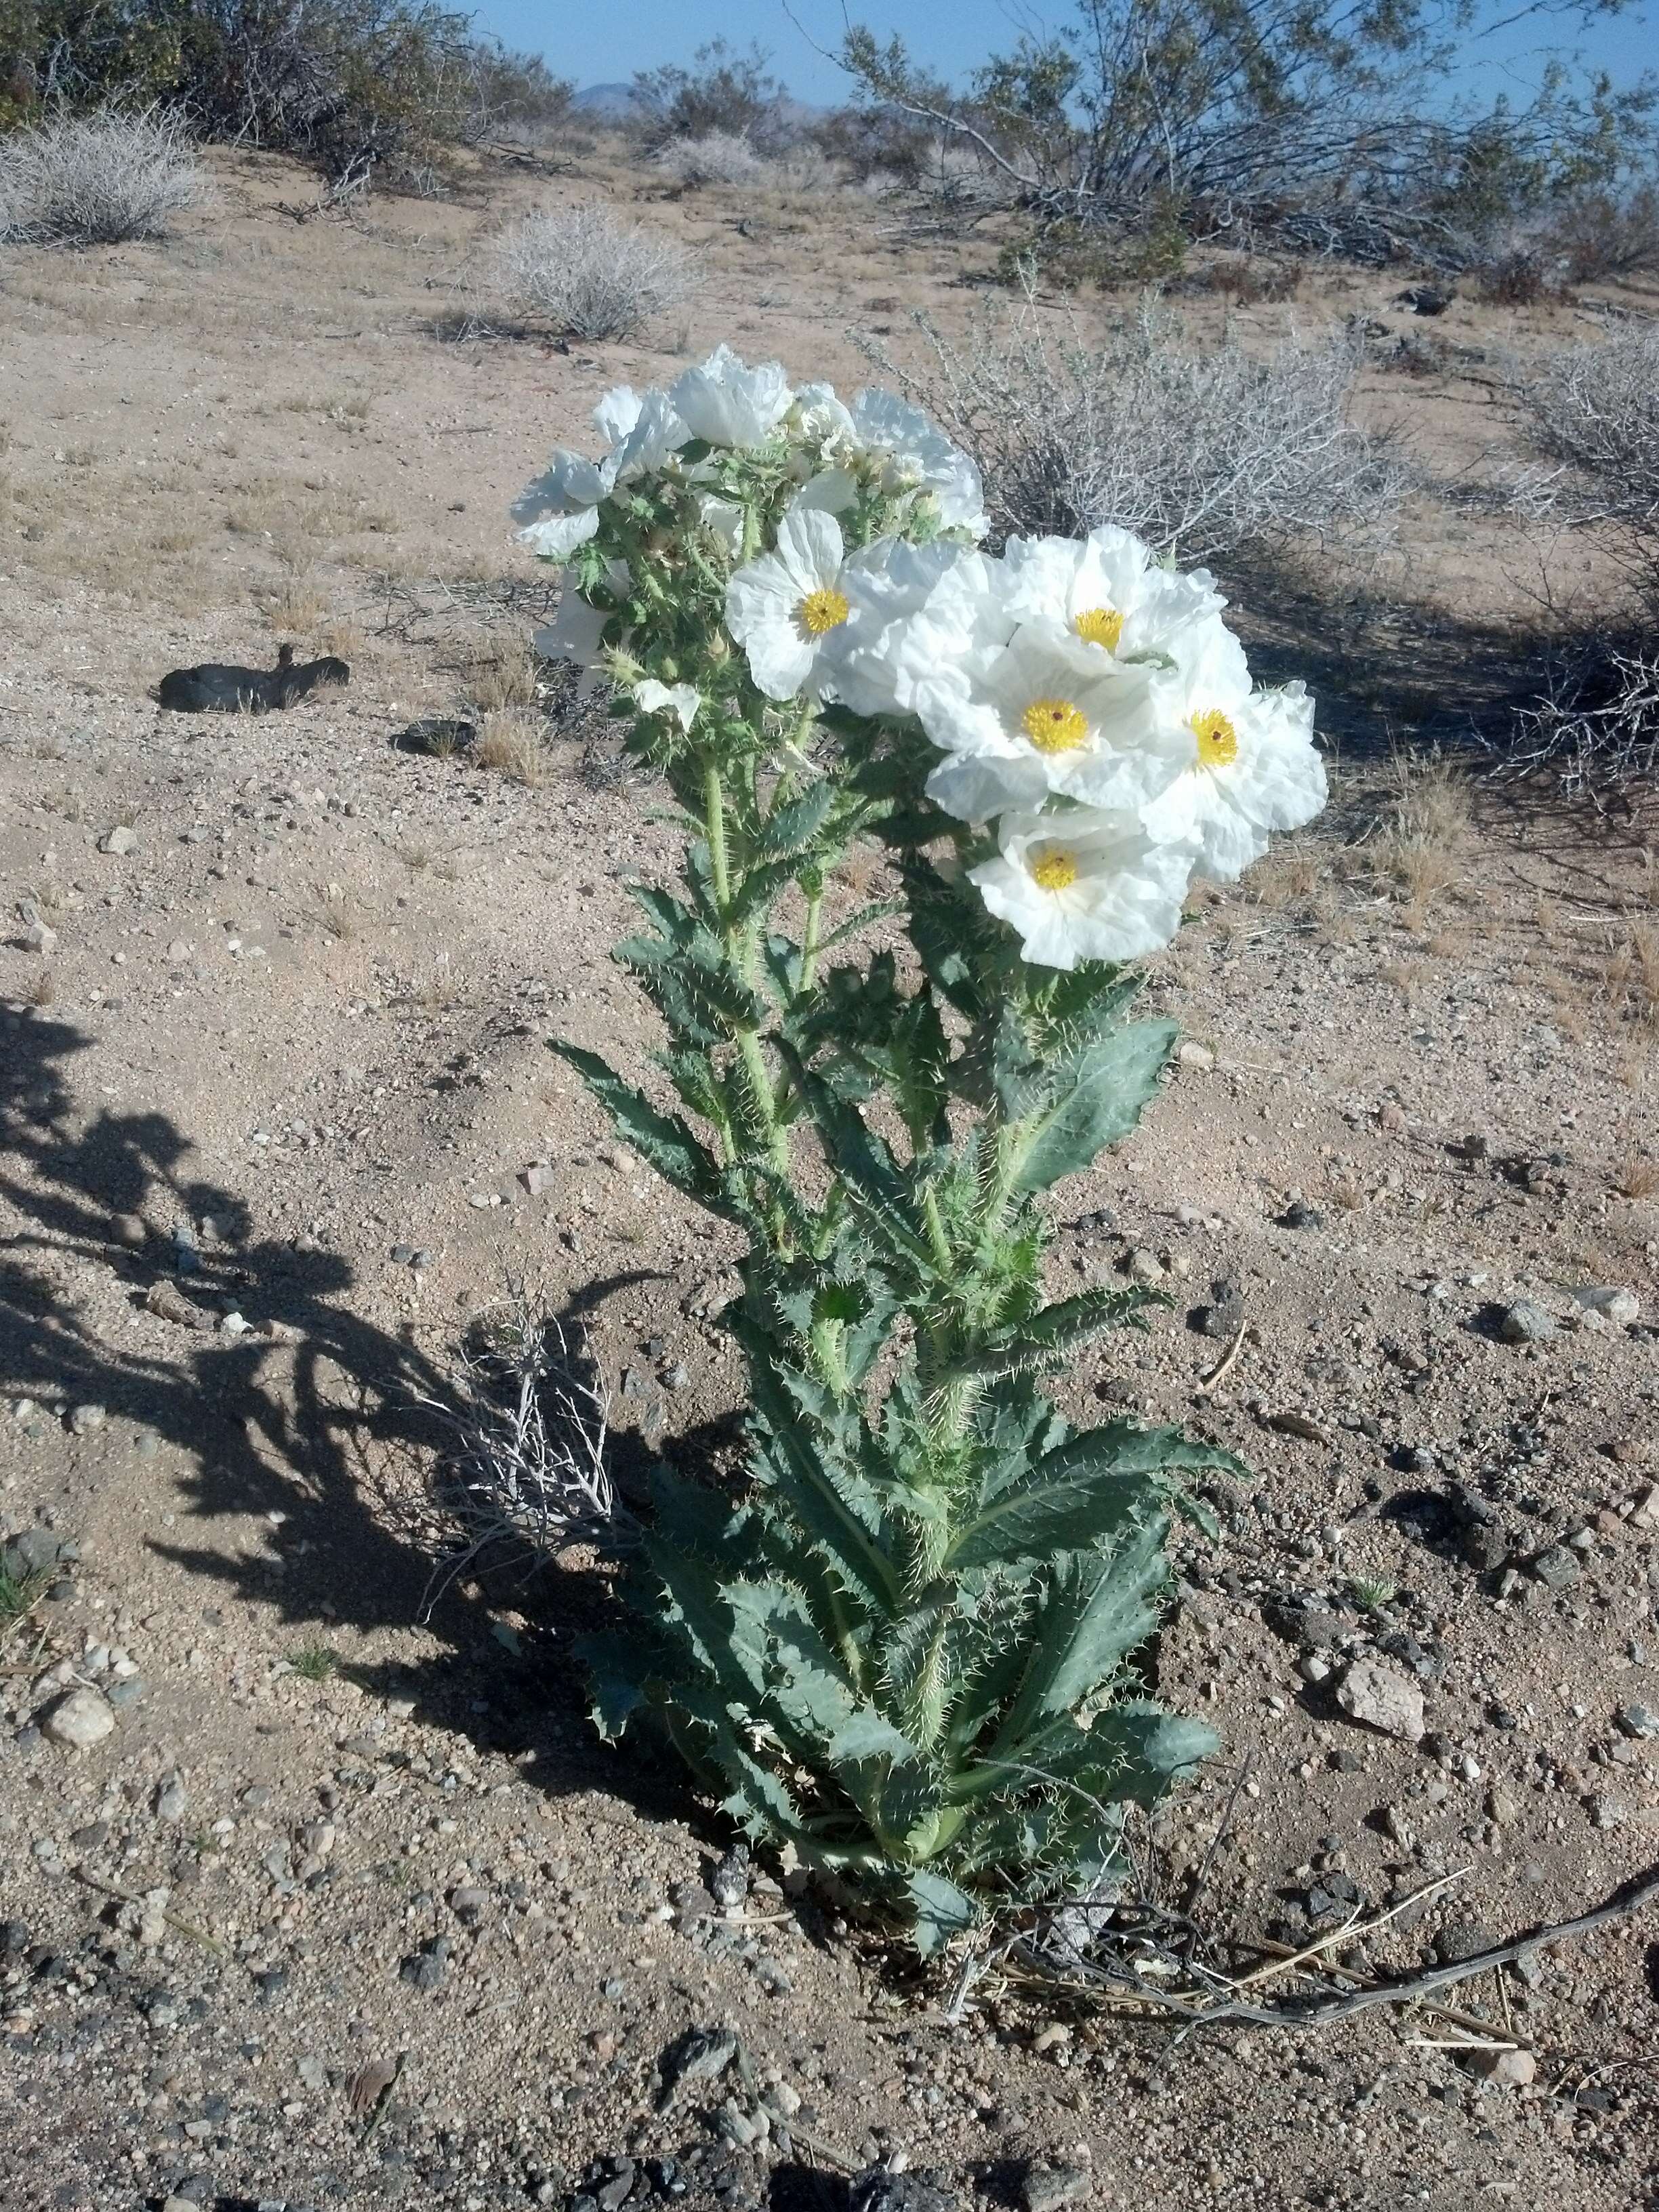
(878, 2189)
(172, 1800)
(1638, 1721)
(1199, 1057)
(536, 1178)
(1615, 1304)
(729, 1883)
(1507, 2069)
(1299, 1215)
(85, 1419)
(427, 1969)
(119, 842)
(468, 1905)
(79, 1720)
(1462, 1940)
(1046, 2188)
(1381, 1698)
(1526, 1322)
(1556, 1566)
(1143, 1266)
(702, 2054)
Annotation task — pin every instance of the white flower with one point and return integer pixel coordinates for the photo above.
(727, 404)
(574, 634)
(782, 607)
(617, 414)
(656, 432)
(1084, 884)
(681, 700)
(818, 418)
(1047, 712)
(832, 490)
(560, 509)
(722, 519)
(557, 537)
(917, 452)
(1107, 590)
(1248, 762)
(878, 660)
(576, 631)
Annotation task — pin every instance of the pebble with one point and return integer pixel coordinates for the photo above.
(428, 1969)
(536, 1178)
(1507, 2069)
(1046, 2188)
(1526, 1322)
(1199, 1057)
(1615, 1303)
(1556, 1566)
(1383, 1700)
(119, 842)
(79, 1720)
(172, 1800)
(1637, 1720)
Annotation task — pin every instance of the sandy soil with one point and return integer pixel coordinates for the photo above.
(297, 1031)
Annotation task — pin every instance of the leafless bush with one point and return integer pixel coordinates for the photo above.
(1595, 727)
(96, 179)
(1597, 408)
(1202, 452)
(582, 271)
(718, 157)
(1601, 238)
(527, 1470)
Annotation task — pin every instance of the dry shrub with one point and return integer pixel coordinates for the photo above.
(1600, 239)
(582, 271)
(511, 741)
(1203, 453)
(95, 180)
(1420, 852)
(1519, 278)
(718, 157)
(505, 676)
(528, 1467)
(1594, 410)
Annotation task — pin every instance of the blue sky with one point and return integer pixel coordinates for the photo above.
(596, 45)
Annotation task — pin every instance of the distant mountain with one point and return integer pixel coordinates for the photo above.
(605, 103)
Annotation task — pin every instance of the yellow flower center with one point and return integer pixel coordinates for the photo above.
(1054, 726)
(823, 610)
(1054, 872)
(1101, 626)
(1217, 740)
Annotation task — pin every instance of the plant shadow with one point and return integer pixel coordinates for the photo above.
(302, 1427)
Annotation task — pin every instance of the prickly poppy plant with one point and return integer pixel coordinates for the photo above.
(906, 1652)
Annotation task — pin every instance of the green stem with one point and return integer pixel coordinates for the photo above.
(713, 803)
(809, 950)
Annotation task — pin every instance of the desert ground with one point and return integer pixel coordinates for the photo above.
(352, 1907)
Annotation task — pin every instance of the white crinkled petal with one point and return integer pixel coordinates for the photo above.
(725, 403)
(559, 536)
(723, 518)
(832, 491)
(681, 700)
(618, 413)
(569, 483)
(1123, 901)
(656, 433)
